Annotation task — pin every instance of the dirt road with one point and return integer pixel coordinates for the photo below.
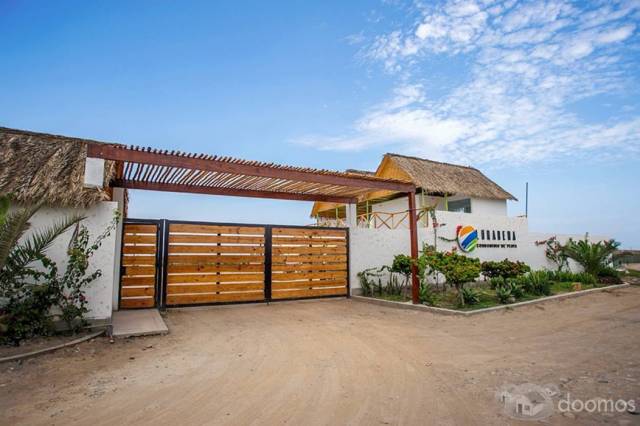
(336, 362)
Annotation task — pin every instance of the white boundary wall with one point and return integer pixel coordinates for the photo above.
(100, 292)
(373, 248)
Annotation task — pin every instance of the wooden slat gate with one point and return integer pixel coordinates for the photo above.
(210, 263)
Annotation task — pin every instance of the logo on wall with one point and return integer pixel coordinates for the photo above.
(467, 238)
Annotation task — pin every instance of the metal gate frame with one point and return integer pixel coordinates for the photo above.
(162, 253)
(159, 264)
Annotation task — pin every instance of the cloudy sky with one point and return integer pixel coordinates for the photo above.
(539, 92)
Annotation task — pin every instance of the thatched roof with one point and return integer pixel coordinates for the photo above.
(39, 166)
(451, 179)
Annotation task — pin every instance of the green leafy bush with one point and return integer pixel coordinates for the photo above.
(504, 268)
(496, 282)
(570, 277)
(470, 296)
(593, 257)
(402, 264)
(427, 295)
(504, 294)
(609, 276)
(536, 283)
(457, 269)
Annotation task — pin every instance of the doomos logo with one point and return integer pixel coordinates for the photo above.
(467, 238)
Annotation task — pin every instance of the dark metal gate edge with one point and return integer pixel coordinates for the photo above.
(162, 252)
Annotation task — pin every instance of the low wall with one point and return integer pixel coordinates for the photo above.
(98, 218)
(372, 248)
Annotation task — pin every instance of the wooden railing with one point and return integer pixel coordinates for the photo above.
(381, 220)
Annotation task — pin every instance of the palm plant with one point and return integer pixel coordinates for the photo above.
(17, 257)
(593, 257)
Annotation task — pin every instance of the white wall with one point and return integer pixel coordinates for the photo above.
(480, 206)
(373, 248)
(98, 218)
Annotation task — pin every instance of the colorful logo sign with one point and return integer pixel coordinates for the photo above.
(467, 238)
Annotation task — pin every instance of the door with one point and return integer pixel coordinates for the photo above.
(139, 265)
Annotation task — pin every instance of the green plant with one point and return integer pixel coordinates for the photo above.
(593, 257)
(402, 264)
(608, 275)
(427, 295)
(536, 283)
(470, 296)
(504, 268)
(457, 269)
(567, 276)
(555, 252)
(496, 282)
(503, 293)
(517, 290)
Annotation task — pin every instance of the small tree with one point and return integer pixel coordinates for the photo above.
(555, 252)
(457, 269)
(593, 257)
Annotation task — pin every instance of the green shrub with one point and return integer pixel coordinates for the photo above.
(570, 277)
(504, 294)
(516, 288)
(593, 257)
(457, 269)
(496, 282)
(470, 296)
(536, 283)
(402, 264)
(504, 268)
(427, 295)
(609, 276)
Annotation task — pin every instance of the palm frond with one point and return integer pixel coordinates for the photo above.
(15, 224)
(37, 243)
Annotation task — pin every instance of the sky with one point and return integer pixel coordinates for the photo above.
(543, 92)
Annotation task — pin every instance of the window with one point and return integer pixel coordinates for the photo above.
(460, 206)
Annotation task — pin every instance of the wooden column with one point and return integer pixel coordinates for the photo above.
(413, 229)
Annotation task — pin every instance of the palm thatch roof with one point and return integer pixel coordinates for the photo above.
(49, 168)
(438, 178)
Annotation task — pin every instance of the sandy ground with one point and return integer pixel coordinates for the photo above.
(336, 362)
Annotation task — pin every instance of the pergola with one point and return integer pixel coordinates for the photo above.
(175, 171)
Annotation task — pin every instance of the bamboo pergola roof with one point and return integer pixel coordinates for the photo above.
(175, 171)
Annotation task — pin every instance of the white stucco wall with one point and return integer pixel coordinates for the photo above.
(483, 206)
(372, 248)
(99, 293)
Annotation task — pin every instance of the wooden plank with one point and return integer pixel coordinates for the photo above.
(313, 240)
(314, 245)
(211, 288)
(215, 278)
(142, 302)
(309, 258)
(140, 239)
(308, 284)
(311, 267)
(209, 259)
(181, 269)
(129, 281)
(139, 270)
(139, 229)
(215, 229)
(288, 276)
(215, 249)
(319, 232)
(292, 294)
(280, 251)
(138, 260)
(214, 239)
(137, 291)
(127, 249)
(189, 299)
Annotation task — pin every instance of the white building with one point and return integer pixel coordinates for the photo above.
(463, 202)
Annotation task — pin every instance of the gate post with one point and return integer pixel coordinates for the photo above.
(164, 225)
(267, 263)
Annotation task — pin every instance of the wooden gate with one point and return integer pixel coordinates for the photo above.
(172, 263)
(214, 263)
(308, 262)
(139, 265)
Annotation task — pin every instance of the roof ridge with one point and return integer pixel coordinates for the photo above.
(393, 154)
(50, 135)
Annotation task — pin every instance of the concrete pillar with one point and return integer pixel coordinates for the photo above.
(352, 215)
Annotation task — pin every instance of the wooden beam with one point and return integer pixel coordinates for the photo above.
(172, 187)
(413, 229)
(118, 153)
